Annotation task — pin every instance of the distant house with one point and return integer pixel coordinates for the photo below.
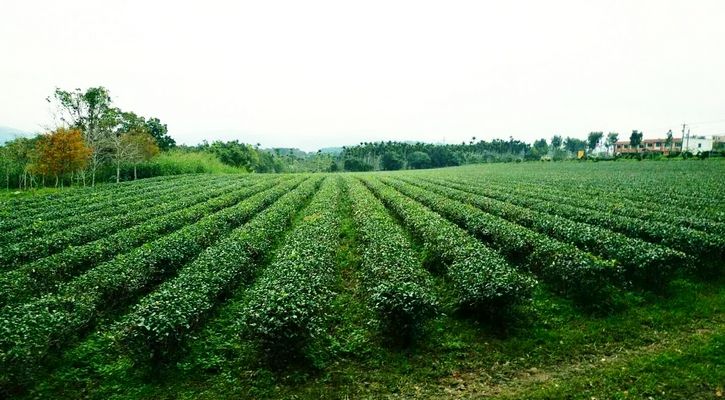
(693, 144)
(648, 145)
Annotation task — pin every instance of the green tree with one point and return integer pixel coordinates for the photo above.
(540, 148)
(160, 132)
(668, 140)
(267, 162)
(573, 144)
(20, 153)
(635, 139)
(236, 154)
(593, 139)
(391, 161)
(129, 121)
(556, 142)
(442, 156)
(419, 160)
(356, 164)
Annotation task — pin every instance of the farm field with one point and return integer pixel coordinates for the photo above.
(521, 280)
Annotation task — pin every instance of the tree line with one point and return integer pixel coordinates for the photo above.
(90, 134)
(392, 155)
(91, 137)
(92, 140)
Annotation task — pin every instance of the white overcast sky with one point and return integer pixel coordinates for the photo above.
(312, 74)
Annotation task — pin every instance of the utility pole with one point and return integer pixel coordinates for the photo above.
(688, 139)
(682, 144)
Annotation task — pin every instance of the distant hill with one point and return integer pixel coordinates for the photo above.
(7, 134)
(331, 150)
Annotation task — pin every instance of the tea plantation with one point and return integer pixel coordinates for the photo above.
(531, 280)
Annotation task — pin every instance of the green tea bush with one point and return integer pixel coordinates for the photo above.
(399, 289)
(157, 324)
(289, 304)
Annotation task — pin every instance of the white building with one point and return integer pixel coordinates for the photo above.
(697, 144)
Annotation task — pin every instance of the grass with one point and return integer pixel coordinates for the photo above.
(183, 162)
(688, 367)
(6, 194)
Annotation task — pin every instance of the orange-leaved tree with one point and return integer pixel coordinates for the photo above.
(61, 152)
